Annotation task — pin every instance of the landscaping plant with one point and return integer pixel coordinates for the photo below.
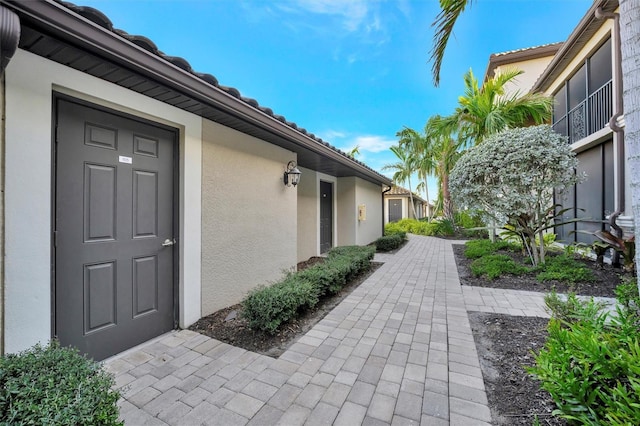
(50, 385)
(267, 308)
(389, 242)
(512, 175)
(591, 362)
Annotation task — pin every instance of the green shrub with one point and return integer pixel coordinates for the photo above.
(389, 242)
(57, 386)
(468, 219)
(478, 248)
(393, 228)
(267, 308)
(494, 265)
(564, 268)
(590, 365)
(443, 227)
(571, 309)
(420, 227)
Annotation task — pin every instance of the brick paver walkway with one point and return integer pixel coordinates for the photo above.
(397, 350)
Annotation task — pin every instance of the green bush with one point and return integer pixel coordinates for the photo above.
(494, 265)
(389, 242)
(478, 248)
(468, 219)
(565, 269)
(57, 386)
(267, 308)
(590, 365)
(420, 227)
(443, 227)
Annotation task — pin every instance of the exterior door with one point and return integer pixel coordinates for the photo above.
(326, 216)
(395, 210)
(114, 209)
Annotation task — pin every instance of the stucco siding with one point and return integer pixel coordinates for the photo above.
(346, 211)
(368, 195)
(249, 218)
(30, 81)
(308, 205)
(532, 68)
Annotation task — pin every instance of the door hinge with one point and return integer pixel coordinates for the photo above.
(56, 134)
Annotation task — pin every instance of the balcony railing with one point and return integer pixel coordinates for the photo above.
(588, 116)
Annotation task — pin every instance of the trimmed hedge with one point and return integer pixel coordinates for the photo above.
(58, 386)
(267, 308)
(389, 242)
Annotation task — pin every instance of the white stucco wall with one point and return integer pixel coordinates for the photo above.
(347, 211)
(30, 82)
(308, 207)
(369, 195)
(352, 192)
(249, 218)
(532, 68)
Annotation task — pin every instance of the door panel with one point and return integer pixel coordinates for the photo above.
(326, 216)
(395, 210)
(114, 208)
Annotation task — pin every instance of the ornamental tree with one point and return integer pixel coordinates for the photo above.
(511, 176)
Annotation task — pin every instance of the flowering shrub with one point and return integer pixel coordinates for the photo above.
(511, 176)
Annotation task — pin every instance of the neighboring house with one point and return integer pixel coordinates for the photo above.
(582, 77)
(531, 60)
(397, 205)
(141, 195)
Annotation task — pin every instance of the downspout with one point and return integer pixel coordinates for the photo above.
(384, 192)
(9, 38)
(613, 125)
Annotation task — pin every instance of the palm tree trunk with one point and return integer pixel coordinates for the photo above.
(413, 206)
(630, 44)
(426, 190)
(447, 205)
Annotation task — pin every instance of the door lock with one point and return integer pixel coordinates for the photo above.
(169, 242)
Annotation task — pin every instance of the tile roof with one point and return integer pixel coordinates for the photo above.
(398, 190)
(100, 19)
(528, 49)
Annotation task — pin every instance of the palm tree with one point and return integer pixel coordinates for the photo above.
(486, 110)
(445, 153)
(420, 150)
(403, 170)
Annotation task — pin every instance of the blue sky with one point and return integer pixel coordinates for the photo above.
(353, 72)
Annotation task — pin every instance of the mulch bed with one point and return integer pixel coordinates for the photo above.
(607, 278)
(227, 325)
(506, 343)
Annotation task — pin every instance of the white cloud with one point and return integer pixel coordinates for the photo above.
(373, 143)
(352, 12)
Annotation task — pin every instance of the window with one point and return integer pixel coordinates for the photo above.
(584, 104)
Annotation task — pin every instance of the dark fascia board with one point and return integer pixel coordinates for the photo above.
(86, 34)
(499, 59)
(587, 25)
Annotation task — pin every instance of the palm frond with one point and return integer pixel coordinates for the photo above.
(450, 11)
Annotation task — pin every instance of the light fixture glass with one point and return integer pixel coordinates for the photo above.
(292, 174)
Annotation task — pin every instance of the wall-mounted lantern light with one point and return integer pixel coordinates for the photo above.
(292, 174)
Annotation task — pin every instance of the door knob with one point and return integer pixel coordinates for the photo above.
(169, 242)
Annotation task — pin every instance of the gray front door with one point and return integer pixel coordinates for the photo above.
(395, 210)
(326, 216)
(114, 208)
